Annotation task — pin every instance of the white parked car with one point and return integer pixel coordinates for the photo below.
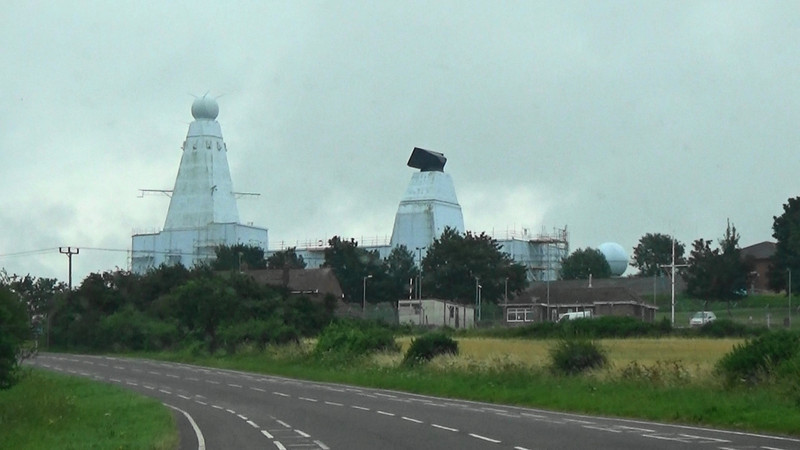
(574, 315)
(701, 318)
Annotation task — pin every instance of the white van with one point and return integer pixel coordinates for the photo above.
(574, 315)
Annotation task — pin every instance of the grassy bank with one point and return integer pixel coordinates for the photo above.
(668, 380)
(47, 410)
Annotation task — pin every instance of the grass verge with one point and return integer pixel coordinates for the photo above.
(646, 387)
(47, 410)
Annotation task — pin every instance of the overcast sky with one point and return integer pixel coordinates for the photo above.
(614, 119)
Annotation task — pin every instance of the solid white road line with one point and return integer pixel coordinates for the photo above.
(201, 442)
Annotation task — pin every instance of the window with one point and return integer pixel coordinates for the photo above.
(519, 315)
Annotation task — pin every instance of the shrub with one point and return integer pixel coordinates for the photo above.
(728, 328)
(573, 356)
(354, 338)
(427, 346)
(611, 327)
(14, 330)
(257, 332)
(131, 330)
(759, 359)
(662, 373)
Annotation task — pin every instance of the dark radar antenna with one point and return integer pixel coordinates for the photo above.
(426, 160)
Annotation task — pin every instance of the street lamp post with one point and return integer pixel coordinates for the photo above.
(480, 288)
(419, 276)
(477, 298)
(364, 294)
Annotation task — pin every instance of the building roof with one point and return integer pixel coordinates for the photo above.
(302, 281)
(560, 294)
(762, 250)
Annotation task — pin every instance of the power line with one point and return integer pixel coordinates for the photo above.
(29, 252)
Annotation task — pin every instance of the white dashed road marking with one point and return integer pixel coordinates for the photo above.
(484, 438)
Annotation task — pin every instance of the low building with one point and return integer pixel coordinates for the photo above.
(311, 282)
(760, 256)
(545, 303)
(435, 313)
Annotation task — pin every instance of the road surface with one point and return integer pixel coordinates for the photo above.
(225, 409)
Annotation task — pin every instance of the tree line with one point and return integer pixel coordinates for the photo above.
(716, 271)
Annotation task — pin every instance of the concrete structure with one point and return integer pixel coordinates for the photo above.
(202, 211)
(435, 313)
(429, 204)
(541, 254)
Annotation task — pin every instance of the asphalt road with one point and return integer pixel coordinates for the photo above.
(224, 409)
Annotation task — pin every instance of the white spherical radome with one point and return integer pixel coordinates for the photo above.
(616, 257)
(205, 108)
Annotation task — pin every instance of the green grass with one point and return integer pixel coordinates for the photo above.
(752, 310)
(47, 411)
(669, 392)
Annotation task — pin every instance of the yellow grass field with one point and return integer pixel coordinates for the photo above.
(697, 356)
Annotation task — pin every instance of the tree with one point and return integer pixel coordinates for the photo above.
(202, 305)
(239, 257)
(286, 259)
(14, 331)
(717, 274)
(351, 264)
(786, 231)
(584, 262)
(400, 268)
(655, 250)
(455, 263)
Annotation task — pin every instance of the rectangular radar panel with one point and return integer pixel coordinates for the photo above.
(426, 160)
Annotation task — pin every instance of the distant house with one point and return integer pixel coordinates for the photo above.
(310, 282)
(435, 313)
(545, 302)
(760, 255)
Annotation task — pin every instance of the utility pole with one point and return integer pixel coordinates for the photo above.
(672, 276)
(790, 296)
(69, 251)
(419, 276)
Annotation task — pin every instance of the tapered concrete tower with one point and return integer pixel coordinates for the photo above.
(429, 204)
(203, 190)
(202, 211)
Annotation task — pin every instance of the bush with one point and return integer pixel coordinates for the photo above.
(258, 332)
(662, 373)
(611, 327)
(14, 330)
(728, 328)
(354, 338)
(131, 330)
(427, 346)
(759, 359)
(597, 328)
(573, 356)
